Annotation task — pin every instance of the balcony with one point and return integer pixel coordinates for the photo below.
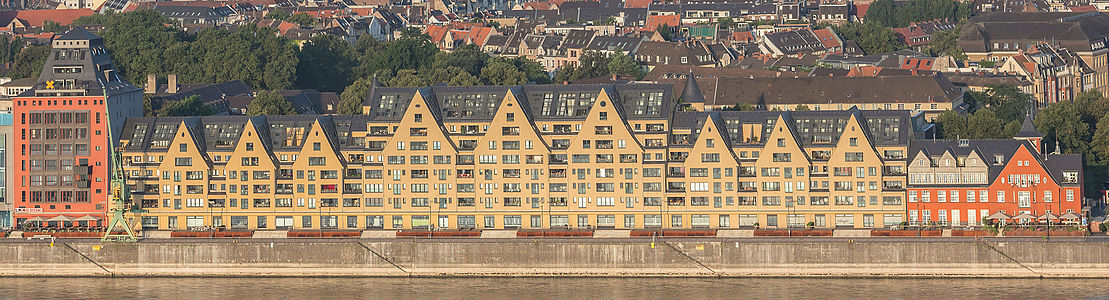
(560, 144)
(194, 189)
(893, 171)
(604, 130)
(675, 172)
(149, 203)
(534, 159)
(747, 172)
(675, 187)
(352, 189)
(747, 188)
(558, 173)
(465, 159)
(821, 155)
(675, 201)
(604, 144)
(893, 186)
(654, 143)
(217, 203)
(465, 174)
(353, 174)
(261, 189)
(678, 156)
(379, 130)
(558, 159)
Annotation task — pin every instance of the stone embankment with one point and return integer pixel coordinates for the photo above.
(708, 257)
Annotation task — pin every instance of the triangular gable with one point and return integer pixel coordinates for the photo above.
(328, 149)
(791, 143)
(185, 135)
(522, 120)
(614, 118)
(260, 149)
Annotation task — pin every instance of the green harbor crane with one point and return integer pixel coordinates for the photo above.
(121, 196)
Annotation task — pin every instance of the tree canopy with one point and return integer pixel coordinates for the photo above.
(190, 106)
(593, 64)
(141, 43)
(871, 37)
(325, 63)
(270, 103)
(891, 13)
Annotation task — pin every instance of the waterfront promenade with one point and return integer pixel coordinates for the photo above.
(573, 257)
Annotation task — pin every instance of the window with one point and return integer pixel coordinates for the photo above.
(183, 161)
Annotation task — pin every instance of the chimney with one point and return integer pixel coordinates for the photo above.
(172, 86)
(151, 83)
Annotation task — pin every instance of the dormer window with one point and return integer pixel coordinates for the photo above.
(998, 159)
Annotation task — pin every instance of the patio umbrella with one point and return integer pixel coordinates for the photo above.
(1069, 216)
(1049, 217)
(1025, 216)
(88, 219)
(35, 219)
(999, 216)
(61, 219)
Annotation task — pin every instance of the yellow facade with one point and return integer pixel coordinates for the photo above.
(589, 156)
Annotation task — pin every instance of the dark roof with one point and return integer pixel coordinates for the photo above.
(831, 90)
(795, 41)
(692, 93)
(86, 54)
(885, 127)
(638, 101)
(1028, 129)
(1074, 31)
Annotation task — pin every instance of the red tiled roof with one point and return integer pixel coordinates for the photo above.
(478, 35)
(1084, 8)
(637, 3)
(828, 38)
(743, 36)
(436, 32)
(654, 21)
(918, 64)
(286, 26)
(35, 18)
(860, 10)
(864, 71)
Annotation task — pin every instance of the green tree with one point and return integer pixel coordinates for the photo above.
(871, 37)
(190, 106)
(28, 62)
(984, 124)
(468, 57)
(946, 43)
(1062, 126)
(325, 63)
(502, 72)
(277, 14)
(802, 107)
(452, 76)
(408, 77)
(665, 31)
(51, 26)
(891, 13)
(624, 65)
(303, 19)
(1099, 146)
(952, 125)
(350, 101)
(270, 103)
(725, 22)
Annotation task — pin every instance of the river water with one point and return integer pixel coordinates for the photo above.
(549, 288)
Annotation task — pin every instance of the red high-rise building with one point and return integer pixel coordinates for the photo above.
(963, 182)
(61, 127)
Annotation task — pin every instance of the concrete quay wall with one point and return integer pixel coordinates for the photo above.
(512, 257)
